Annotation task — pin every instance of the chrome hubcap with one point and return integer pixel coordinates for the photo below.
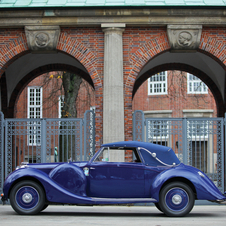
(27, 197)
(176, 199)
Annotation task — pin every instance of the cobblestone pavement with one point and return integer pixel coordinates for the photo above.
(113, 215)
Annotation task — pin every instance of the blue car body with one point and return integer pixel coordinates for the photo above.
(156, 175)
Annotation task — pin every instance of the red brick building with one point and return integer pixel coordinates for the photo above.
(169, 90)
(48, 96)
(114, 54)
(181, 93)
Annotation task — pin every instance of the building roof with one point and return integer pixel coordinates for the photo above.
(106, 3)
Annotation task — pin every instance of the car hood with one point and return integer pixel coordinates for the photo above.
(47, 167)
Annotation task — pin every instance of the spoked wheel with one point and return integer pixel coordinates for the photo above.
(176, 199)
(27, 197)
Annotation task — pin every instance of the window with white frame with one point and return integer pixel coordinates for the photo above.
(157, 84)
(195, 85)
(60, 106)
(34, 111)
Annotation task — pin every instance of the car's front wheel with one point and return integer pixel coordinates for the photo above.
(176, 199)
(158, 207)
(27, 197)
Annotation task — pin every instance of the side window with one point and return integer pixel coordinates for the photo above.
(118, 155)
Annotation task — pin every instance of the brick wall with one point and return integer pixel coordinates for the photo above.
(50, 97)
(177, 98)
(139, 46)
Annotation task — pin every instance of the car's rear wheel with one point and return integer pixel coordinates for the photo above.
(176, 199)
(27, 197)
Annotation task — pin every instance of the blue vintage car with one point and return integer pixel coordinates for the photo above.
(119, 173)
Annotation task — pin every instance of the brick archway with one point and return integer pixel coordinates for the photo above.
(90, 57)
(71, 42)
(210, 45)
(39, 71)
(15, 46)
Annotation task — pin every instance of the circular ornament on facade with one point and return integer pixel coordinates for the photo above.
(184, 38)
(42, 39)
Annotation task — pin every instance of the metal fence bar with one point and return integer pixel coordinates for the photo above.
(1, 150)
(89, 134)
(225, 147)
(35, 140)
(196, 141)
(184, 141)
(7, 150)
(43, 141)
(138, 125)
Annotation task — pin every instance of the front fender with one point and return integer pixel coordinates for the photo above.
(70, 177)
(205, 189)
(55, 192)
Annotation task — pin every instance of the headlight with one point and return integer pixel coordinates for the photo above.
(23, 165)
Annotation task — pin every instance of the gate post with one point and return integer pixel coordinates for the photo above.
(224, 149)
(43, 140)
(138, 125)
(184, 140)
(89, 134)
(1, 151)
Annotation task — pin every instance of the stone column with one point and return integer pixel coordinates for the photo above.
(113, 96)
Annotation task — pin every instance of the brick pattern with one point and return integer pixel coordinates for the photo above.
(13, 43)
(87, 46)
(176, 98)
(50, 94)
(140, 45)
(213, 42)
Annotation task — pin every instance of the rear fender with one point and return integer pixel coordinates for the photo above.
(205, 189)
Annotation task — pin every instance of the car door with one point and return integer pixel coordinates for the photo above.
(109, 179)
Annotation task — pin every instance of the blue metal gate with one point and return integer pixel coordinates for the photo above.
(45, 140)
(1, 151)
(196, 141)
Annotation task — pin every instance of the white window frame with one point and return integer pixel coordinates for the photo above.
(35, 106)
(34, 130)
(191, 85)
(158, 87)
(60, 105)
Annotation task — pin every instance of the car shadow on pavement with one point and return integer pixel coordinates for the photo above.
(107, 214)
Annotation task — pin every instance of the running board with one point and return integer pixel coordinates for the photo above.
(122, 200)
(220, 201)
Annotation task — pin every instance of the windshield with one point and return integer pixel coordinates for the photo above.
(118, 155)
